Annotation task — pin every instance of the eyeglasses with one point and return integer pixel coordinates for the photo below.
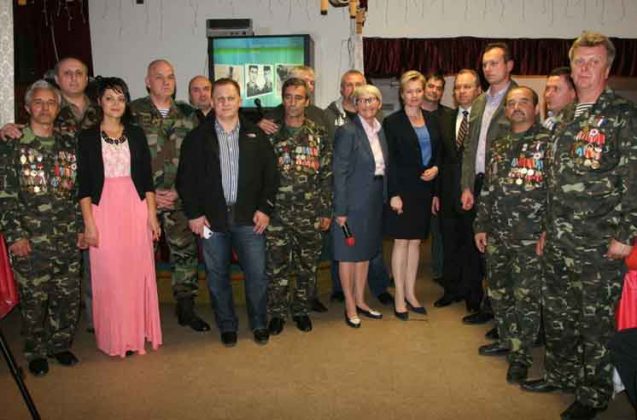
(366, 101)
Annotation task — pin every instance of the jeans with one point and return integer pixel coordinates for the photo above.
(377, 277)
(250, 248)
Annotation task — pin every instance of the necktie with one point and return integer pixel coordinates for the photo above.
(464, 129)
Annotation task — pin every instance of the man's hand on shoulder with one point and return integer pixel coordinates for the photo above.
(11, 131)
(268, 126)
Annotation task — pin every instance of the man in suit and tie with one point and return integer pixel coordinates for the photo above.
(486, 122)
(461, 267)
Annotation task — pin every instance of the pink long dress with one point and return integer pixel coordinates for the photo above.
(125, 303)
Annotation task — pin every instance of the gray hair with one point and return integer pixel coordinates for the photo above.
(41, 84)
(367, 90)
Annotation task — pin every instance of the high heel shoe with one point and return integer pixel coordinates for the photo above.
(416, 309)
(369, 313)
(354, 322)
(403, 316)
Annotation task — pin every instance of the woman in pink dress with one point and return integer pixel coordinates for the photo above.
(118, 207)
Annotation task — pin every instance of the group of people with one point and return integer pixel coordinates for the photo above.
(535, 218)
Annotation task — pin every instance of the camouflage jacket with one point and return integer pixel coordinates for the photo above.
(304, 161)
(67, 123)
(38, 189)
(513, 198)
(164, 136)
(592, 178)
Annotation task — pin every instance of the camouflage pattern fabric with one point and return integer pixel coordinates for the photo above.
(68, 122)
(165, 136)
(510, 211)
(592, 197)
(37, 202)
(294, 241)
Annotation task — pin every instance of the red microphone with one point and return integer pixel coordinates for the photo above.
(350, 240)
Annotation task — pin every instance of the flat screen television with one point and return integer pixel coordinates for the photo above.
(258, 63)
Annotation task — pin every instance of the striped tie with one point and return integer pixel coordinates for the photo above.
(464, 129)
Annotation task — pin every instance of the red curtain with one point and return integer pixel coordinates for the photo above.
(390, 57)
(45, 31)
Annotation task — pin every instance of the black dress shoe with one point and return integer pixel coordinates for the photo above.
(477, 318)
(493, 349)
(337, 297)
(445, 300)
(369, 314)
(539, 385)
(198, 324)
(261, 336)
(229, 338)
(492, 334)
(39, 367)
(303, 322)
(65, 358)
(417, 309)
(317, 306)
(354, 322)
(517, 372)
(579, 411)
(276, 325)
(403, 316)
(385, 298)
(130, 353)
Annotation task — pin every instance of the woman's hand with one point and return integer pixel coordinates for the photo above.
(429, 174)
(341, 220)
(91, 235)
(396, 204)
(155, 227)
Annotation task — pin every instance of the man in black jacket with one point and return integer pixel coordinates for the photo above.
(227, 180)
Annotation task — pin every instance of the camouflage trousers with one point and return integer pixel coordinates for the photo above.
(515, 277)
(49, 286)
(293, 251)
(183, 253)
(580, 292)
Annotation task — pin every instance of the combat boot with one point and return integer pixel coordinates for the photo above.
(186, 315)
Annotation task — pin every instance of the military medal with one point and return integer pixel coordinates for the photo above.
(23, 159)
(595, 164)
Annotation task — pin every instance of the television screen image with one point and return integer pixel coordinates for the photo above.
(231, 72)
(259, 64)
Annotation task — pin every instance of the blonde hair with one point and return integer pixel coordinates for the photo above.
(410, 76)
(593, 39)
(367, 90)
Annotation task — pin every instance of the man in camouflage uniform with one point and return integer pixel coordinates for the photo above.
(40, 219)
(304, 197)
(77, 112)
(270, 124)
(510, 211)
(166, 123)
(591, 220)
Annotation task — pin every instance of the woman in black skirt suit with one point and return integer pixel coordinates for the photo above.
(413, 153)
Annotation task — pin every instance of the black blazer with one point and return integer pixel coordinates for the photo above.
(199, 176)
(448, 186)
(405, 154)
(90, 166)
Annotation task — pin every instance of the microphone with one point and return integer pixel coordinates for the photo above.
(257, 102)
(350, 240)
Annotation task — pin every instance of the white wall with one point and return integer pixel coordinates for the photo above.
(126, 36)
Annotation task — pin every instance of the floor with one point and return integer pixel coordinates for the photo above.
(426, 368)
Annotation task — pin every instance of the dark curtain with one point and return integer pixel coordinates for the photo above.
(45, 31)
(390, 57)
